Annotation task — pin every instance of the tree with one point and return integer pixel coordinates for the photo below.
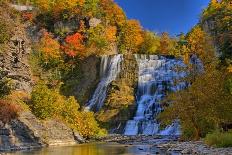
(91, 8)
(151, 43)
(74, 45)
(113, 14)
(203, 107)
(130, 37)
(110, 33)
(50, 49)
(167, 45)
(200, 44)
(100, 39)
(219, 13)
(57, 6)
(8, 111)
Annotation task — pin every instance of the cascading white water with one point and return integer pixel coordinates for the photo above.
(156, 76)
(109, 69)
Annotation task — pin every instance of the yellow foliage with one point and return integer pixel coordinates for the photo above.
(49, 103)
(230, 69)
(199, 43)
(56, 6)
(131, 37)
(107, 115)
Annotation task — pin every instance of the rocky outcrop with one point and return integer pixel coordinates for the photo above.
(27, 132)
(83, 85)
(119, 105)
(51, 132)
(14, 60)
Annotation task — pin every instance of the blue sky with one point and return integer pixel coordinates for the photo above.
(173, 16)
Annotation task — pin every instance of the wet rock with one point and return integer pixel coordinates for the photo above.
(78, 137)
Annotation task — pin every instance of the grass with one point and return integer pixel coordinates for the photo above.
(219, 139)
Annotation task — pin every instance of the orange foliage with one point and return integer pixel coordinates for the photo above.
(74, 45)
(27, 16)
(8, 111)
(113, 12)
(49, 47)
(111, 33)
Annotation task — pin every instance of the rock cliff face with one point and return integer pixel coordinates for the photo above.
(83, 86)
(14, 60)
(28, 132)
(119, 105)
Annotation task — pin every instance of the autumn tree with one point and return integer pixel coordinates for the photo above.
(219, 13)
(91, 8)
(57, 6)
(74, 45)
(113, 14)
(151, 43)
(200, 44)
(130, 37)
(100, 39)
(167, 45)
(8, 111)
(111, 32)
(49, 49)
(203, 107)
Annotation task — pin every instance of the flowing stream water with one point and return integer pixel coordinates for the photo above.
(95, 149)
(157, 76)
(109, 69)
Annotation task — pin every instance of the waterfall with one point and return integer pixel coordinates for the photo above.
(157, 76)
(109, 69)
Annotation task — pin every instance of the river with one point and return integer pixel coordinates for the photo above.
(95, 149)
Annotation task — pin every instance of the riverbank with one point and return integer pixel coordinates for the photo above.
(169, 144)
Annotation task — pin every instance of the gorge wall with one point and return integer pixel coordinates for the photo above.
(14, 60)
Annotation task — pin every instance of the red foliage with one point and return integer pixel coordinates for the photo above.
(74, 45)
(27, 16)
(8, 111)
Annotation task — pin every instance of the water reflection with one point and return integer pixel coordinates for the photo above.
(95, 149)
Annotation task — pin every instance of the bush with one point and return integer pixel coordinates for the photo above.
(45, 103)
(8, 111)
(49, 103)
(5, 85)
(4, 33)
(219, 139)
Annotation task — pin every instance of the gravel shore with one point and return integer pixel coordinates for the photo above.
(171, 145)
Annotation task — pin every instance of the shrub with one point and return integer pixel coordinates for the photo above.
(5, 85)
(45, 103)
(49, 103)
(4, 32)
(8, 111)
(219, 139)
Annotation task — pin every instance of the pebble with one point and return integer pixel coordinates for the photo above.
(173, 145)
